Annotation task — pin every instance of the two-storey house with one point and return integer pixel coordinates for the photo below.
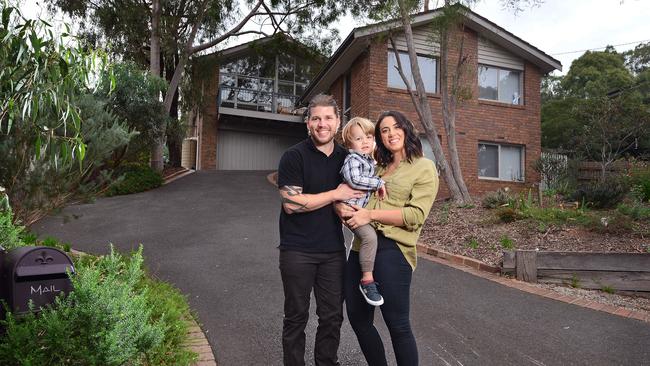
(498, 125)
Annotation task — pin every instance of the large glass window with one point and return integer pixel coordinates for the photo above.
(428, 70)
(264, 83)
(499, 84)
(502, 162)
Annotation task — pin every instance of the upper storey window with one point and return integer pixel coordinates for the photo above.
(264, 83)
(499, 84)
(428, 70)
(280, 74)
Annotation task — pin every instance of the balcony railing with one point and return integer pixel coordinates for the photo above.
(257, 100)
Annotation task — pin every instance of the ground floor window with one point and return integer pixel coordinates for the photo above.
(500, 161)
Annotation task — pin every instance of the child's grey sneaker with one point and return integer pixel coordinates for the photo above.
(371, 294)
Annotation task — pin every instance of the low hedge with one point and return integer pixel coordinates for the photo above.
(135, 178)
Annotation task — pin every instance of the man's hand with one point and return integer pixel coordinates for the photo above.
(343, 192)
(382, 192)
(343, 210)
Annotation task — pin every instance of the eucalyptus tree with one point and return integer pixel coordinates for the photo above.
(183, 28)
(50, 137)
(451, 89)
(447, 31)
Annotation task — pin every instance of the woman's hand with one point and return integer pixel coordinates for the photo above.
(382, 192)
(359, 217)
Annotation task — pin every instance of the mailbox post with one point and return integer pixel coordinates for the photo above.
(33, 273)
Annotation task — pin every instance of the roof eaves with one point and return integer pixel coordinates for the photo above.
(544, 61)
(328, 65)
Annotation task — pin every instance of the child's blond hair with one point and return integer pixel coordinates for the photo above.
(365, 124)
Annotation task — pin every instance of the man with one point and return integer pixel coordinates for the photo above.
(312, 252)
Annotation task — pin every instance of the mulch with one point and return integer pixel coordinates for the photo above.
(477, 233)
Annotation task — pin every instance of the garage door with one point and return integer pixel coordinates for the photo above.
(251, 151)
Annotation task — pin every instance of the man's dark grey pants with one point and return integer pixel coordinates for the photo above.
(301, 272)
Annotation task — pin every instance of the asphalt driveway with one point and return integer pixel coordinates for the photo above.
(214, 235)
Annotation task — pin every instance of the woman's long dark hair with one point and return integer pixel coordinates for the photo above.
(412, 144)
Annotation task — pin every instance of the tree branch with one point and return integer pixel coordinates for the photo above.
(230, 33)
(400, 70)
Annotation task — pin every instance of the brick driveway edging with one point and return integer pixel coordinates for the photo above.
(197, 342)
(491, 273)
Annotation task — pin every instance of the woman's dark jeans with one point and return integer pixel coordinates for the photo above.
(393, 273)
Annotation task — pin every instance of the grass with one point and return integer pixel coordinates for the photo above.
(575, 281)
(473, 243)
(608, 289)
(507, 243)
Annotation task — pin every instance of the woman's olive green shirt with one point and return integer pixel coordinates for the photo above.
(412, 188)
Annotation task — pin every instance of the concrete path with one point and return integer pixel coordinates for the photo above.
(214, 235)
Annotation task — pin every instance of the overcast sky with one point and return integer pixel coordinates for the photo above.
(556, 27)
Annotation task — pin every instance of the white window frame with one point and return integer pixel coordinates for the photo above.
(522, 159)
(499, 69)
(347, 105)
(388, 70)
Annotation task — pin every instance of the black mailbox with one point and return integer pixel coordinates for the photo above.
(38, 274)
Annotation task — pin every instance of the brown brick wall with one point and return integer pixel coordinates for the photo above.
(476, 120)
(208, 136)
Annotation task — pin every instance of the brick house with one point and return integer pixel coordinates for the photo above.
(249, 115)
(498, 127)
(242, 126)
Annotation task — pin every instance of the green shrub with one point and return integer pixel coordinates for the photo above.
(136, 178)
(640, 181)
(508, 214)
(636, 211)
(496, 199)
(602, 194)
(106, 320)
(554, 215)
(169, 308)
(10, 234)
(613, 223)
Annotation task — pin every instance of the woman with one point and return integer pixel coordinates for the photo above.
(411, 184)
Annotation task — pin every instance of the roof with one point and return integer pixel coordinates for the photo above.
(245, 48)
(359, 39)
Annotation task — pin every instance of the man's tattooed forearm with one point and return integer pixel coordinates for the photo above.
(294, 207)
(292, 190)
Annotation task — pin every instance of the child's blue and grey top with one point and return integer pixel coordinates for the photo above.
(358, 172)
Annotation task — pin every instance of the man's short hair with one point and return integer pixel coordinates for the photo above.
(365, 124)
(323, 100)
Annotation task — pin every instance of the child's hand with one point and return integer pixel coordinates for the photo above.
(382, 193)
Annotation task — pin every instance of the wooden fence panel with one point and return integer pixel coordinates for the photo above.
(622, 281)
(526, 261)
(616, 271)
(594, 261)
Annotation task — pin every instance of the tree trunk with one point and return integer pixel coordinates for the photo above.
(423, 109)
(449, 104)
(157, 149)
(173, 146)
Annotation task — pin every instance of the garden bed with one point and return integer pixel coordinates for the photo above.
(479, 233)
(476, 232)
